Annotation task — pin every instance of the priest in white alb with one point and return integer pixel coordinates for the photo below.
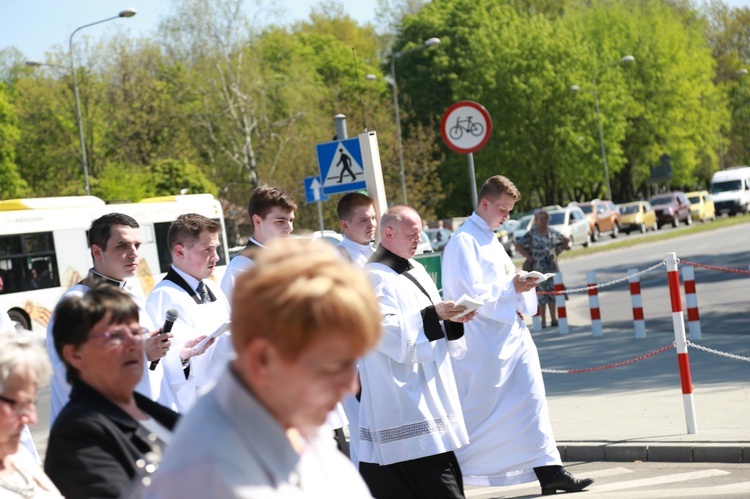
(500, 379)
(410, 417)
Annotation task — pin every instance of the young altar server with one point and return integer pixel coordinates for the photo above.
(500, 378)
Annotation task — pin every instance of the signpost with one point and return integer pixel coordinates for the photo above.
(466, 128)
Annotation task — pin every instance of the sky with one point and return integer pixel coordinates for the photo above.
(35, 26)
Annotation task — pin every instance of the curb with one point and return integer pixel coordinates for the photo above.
(708, 452)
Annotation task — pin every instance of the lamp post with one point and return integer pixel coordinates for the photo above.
(430, 42)
(79, 119)
(625, 60)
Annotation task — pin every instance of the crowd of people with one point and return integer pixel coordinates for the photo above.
(245, 390)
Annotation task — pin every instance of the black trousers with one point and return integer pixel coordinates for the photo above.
(431, 477)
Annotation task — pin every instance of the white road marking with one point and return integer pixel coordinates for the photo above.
(589, 474)
(659, 480)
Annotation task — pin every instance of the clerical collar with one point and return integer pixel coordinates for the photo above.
(96, 277)
(391, 260)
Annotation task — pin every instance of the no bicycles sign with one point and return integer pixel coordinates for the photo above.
(466, 127)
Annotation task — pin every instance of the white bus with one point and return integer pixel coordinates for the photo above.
(44, 247)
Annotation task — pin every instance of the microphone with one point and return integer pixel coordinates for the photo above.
(171, 316)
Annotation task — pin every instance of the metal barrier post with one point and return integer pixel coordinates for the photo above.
(562, 314)
(639, 323)
(681, 343)
(691, 300)
(596, 318)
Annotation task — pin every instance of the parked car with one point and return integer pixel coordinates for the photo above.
(671, 208)
(603, 218)
(506, 235)
(571, 223)
(638, 215)
(701, 206)
(425, 246)
(438, 238)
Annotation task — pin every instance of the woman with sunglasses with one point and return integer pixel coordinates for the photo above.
(106, 426)
(23, 365)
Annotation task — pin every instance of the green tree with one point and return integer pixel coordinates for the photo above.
(11, 183)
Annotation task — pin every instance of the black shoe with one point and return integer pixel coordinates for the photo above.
(562, 480)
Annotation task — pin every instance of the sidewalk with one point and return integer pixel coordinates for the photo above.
(636, 411)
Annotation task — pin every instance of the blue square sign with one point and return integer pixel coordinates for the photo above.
(341, 167)
(314, 190)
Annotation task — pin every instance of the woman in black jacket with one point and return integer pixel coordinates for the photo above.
(105, 427)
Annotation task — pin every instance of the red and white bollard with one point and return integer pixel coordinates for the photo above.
(639, 323)
(596, 317)
(562, 314)
(681, 343)
(536, 319)
(691, 300)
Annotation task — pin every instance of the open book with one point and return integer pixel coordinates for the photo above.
(471, 304)
(536, 276)
(219, 331)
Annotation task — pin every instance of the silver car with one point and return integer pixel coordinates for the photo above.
(571, 223)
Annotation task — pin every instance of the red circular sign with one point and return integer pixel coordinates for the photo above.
(466, 127)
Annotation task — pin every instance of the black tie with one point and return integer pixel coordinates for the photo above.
(203, 293)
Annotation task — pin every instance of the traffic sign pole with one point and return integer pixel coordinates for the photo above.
(472, 180)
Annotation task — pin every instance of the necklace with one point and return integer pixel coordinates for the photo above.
(19, 482)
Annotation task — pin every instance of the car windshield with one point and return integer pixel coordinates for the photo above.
(694, 199)
(557, 218)
(730, 185)
(662, 200)
(626, 210)
(587, 208)
(525, 221)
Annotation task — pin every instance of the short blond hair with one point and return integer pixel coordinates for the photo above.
(300, 290)
(496, 186)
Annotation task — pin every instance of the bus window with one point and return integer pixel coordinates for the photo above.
(28, 262)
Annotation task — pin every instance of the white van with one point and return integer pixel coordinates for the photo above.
(730, 190)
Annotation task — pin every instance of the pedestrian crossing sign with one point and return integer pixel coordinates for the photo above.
(340, 164)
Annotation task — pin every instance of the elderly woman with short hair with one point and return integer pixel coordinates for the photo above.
(23, 365)
(106, 426)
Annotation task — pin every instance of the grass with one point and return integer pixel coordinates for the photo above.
(662, 235)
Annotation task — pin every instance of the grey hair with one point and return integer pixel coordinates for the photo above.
(20, 354)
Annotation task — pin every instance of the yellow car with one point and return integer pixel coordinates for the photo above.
(638, 215)
(701, 206)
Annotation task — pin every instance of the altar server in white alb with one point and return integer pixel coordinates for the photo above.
(201, 307)
(500, 378)
(410, 417)
(272, 212)
(358, 222)
(300, 319)
(114, 242)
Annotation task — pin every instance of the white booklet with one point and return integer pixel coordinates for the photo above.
(536, 276)
(471, 304)
(221, 330)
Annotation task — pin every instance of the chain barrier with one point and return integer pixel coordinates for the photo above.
(713, 267)
(585, 289)
(610, 366)
(718, 352)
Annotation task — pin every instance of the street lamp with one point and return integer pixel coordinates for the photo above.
(430, 42)
(79, 119)
(575, 88)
